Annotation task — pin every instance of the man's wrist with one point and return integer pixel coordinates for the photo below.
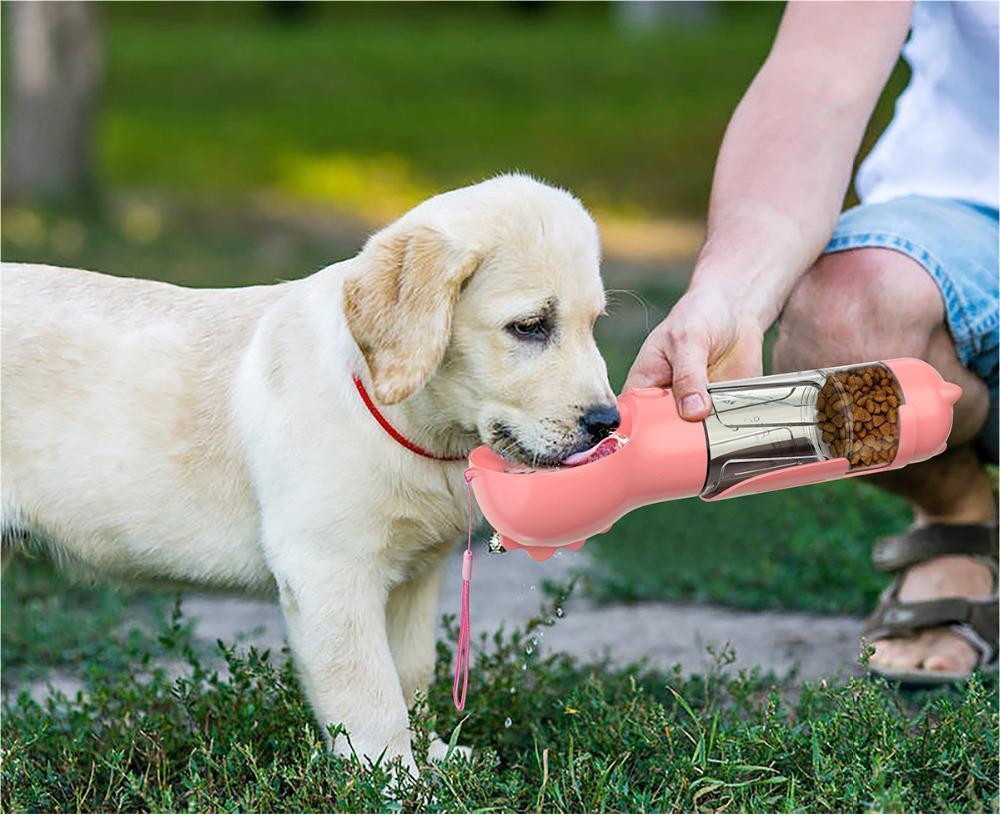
(741, 297)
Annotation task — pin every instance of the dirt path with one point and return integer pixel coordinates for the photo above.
(507, 589)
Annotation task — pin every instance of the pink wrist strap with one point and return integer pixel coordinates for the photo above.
(464, 632)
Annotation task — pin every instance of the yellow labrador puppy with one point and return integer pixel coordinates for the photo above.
(217, 437)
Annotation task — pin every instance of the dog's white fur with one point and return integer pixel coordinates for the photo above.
(214, 437)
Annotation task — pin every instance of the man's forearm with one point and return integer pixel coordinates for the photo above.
(786, 159)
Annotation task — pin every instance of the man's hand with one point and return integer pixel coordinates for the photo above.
(703, 338)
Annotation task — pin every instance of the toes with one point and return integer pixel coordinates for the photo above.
(937, 649)
(949, 653)
(897, 652)
(884, 652)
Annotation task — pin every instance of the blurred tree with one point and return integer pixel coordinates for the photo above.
(288, 11)
(55, 75)
(643, 15)
(531, 8)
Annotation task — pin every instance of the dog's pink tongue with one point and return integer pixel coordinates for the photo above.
(605, 447)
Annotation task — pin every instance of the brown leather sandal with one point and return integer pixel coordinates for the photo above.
(975, 619)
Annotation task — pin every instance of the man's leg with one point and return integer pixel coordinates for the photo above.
(868, 304)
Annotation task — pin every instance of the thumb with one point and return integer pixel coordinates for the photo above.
(651, 368)
(690, 381)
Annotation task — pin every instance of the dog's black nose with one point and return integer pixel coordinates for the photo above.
(600, 421)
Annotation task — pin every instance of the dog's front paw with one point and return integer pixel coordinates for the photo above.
(438, 750)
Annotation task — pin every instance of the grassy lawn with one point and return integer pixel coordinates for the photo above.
(550, 735)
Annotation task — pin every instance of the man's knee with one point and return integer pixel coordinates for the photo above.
(856, 306)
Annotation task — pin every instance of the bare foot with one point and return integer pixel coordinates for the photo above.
(936, 649)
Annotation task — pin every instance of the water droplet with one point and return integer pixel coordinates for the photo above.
(507, 722)
(559, 611)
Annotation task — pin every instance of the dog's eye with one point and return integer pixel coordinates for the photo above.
(533, 328)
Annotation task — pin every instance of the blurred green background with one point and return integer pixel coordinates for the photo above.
(361, 110)
(244, 143)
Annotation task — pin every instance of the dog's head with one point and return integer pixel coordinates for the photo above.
(485, 299)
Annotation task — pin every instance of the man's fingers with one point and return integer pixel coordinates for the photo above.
(676, 360)
(689, 359)
(651, 368)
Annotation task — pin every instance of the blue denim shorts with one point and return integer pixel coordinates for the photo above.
(956, 242)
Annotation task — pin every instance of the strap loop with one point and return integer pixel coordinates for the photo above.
(934, 540)
(461, 683)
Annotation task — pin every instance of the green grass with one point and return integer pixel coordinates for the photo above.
(613, 739)
(170, 238)
(53, 624)
(549, 735)
(807, 548)
(617, 739)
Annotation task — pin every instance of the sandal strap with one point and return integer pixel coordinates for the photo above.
(933, 540)
(893, 618)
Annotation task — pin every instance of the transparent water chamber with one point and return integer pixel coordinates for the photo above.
(775, 422)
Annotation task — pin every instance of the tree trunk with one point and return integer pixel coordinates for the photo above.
(648, 15)
(55, 73)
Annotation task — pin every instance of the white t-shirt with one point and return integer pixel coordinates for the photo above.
(942, 140)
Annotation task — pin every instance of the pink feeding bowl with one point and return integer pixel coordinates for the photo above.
(544, 510)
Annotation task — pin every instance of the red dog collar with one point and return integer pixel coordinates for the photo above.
(388, 428)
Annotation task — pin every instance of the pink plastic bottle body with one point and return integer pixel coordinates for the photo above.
(668, 458)
(926, 416)
(564, 507)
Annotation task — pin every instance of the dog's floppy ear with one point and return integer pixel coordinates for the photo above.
(399, 305)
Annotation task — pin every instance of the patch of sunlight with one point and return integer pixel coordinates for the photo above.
(23, 228)
(67, 237)
(376, 189)
(141, 223)
(645, 239)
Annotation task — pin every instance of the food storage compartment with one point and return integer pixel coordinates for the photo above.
(858, 413)
(775, 423)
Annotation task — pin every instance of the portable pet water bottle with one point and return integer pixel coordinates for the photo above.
(763, 434)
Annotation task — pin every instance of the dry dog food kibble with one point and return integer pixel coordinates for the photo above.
(856, 413)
